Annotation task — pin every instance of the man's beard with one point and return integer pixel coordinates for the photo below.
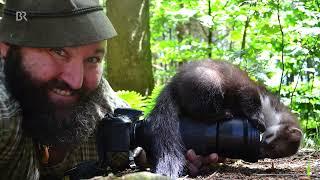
(40, 119)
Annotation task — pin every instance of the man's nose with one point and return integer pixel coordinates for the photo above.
(73, 73)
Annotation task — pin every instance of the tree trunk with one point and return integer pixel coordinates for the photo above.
(129, 56)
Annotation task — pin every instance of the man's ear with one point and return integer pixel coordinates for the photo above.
(3, 49)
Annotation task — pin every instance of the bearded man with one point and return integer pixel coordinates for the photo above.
(52, 93)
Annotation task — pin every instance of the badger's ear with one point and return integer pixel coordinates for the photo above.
(295, 134)
(3, 49)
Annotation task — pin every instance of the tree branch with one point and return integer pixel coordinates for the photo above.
(294, 90)
(209, 32)
(244, 37)
(282, 46)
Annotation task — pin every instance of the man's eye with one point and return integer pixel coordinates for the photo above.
(59, 51)
(94, 60)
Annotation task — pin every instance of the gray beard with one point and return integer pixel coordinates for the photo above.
(73, 127)
(78, 124)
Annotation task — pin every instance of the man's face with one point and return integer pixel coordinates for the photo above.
(53, 85)
(67, 72)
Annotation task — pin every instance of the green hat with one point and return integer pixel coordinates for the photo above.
(54, 23)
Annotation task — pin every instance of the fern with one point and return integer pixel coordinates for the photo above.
(134, 99)
(152, 99)
(137, 101)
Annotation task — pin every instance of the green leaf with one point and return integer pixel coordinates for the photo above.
(236, 36)
(134, 99)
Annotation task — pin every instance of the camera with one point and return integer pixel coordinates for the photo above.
(122, 131)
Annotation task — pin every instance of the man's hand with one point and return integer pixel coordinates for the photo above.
(195, 162)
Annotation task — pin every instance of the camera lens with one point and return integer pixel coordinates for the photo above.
(235, 138)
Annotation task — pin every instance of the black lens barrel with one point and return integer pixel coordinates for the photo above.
(235, 138)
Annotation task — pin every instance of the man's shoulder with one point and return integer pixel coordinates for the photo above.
(110, 97)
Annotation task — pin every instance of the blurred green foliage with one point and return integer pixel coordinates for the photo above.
(137, 101)
(276, 42)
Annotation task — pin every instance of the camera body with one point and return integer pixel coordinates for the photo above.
(234, 138)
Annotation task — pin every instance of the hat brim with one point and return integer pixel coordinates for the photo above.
(57, 31)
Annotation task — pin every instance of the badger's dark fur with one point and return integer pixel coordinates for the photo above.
(217, 90)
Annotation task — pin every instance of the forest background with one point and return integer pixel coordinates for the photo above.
(276, 42)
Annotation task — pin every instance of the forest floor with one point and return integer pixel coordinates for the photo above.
(305, 162)
(304, 165)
